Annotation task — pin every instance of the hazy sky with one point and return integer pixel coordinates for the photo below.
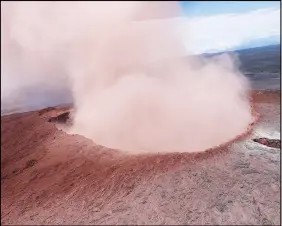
(218, 26)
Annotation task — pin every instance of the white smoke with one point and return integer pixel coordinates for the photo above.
(126, 67)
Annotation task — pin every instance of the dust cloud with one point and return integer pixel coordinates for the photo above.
(125, 65)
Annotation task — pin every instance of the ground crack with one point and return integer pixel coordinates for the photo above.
(273, 143)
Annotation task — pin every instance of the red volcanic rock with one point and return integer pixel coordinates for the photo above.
(50, 177)
(62, 118)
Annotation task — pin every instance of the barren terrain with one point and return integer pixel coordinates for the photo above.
(50, 177)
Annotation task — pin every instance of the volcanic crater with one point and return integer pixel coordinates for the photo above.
(51, 177)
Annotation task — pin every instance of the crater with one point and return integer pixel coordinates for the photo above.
(64, 121)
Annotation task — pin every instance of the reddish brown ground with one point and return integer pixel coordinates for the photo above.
(50, 177)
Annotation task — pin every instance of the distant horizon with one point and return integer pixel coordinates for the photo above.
(243, 48)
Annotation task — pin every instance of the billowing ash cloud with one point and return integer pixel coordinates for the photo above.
(124, 66)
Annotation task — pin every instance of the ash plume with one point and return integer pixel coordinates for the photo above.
(125, 66)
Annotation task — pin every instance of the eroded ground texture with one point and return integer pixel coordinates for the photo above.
(50, 177)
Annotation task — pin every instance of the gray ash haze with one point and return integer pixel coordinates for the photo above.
(122, 65)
